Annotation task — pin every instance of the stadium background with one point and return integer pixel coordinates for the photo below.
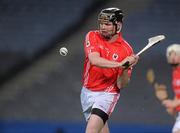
(39, 89)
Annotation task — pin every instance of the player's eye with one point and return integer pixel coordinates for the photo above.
(105, 24)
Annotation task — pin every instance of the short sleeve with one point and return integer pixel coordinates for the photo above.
(91, 43)
(128, 48)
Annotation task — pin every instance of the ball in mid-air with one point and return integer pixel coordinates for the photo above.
(63, 51)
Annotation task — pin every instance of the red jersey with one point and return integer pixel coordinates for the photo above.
(104, 79)
(176, 83)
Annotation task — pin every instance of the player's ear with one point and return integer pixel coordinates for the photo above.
(119, 26)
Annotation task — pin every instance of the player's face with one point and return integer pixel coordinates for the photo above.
(107, 29)
(174, 59)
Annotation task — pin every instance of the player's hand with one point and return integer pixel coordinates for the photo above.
(171, 111)
(130, 61)
(134, 60)
(169, 103)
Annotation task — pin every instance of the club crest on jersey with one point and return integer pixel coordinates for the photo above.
(115, 56)
(87, 44)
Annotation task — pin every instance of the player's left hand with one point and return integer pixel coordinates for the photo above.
(169, 103)
(134, 60)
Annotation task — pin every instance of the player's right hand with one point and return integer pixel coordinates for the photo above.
(134, 60)
(171, 111)
(130, 61)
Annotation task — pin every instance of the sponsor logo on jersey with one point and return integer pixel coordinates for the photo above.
(115, 56)
(87, 44)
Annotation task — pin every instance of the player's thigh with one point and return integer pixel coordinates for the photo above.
(105, 129)
(100, 103)
(95, 124)
(106, 102)
(87, 101)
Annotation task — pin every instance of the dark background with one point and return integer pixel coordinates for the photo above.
(37, 85)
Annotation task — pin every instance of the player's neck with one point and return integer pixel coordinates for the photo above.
(113, 38)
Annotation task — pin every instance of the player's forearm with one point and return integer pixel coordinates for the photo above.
(96, 60)
(123, 80)
(101, 62)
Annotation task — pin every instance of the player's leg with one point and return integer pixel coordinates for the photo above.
(95, 124)
(101, 110)
(105, 129)
(97, 106)
(97, 121)
(178, 131)
(176, 128)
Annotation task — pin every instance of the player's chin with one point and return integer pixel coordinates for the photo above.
(106, 36)
(103, 33)
(174, 64)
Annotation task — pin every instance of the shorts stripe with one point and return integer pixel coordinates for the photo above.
(113, 104)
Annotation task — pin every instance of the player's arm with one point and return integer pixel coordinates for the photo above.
(123, 80)
(171, 103)
(96, 60)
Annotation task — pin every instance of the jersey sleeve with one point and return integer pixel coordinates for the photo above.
(129, 48)
(91, 43)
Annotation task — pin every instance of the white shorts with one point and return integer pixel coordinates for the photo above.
(176, 126)
(102, 100)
